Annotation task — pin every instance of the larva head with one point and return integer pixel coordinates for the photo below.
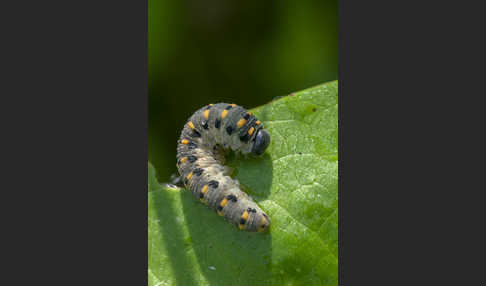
(262, 140)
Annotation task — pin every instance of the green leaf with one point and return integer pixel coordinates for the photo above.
(295, 183)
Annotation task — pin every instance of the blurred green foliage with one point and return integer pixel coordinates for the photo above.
(243, 52)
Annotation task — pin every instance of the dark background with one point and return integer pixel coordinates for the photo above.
(243, 52)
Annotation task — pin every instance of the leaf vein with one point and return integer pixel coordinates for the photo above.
(305, 226)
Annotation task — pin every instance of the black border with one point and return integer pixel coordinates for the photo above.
(75, 142)
(410, 82)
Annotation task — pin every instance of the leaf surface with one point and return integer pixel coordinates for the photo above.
(295, 183)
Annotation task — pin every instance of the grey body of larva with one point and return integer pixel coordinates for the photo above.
(200, 162)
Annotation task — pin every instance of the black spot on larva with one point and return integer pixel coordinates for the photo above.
(219, 208)
(217, 123)
(264, 215)
(242, 221)
(201, 195)
(247, 116)
(214, 184)
(229, 107)
(191, 158)
(192, 145)
(245, 138)
(232, 198)
(196, 134)
(207, 107)
(251, 210)
(198, 171)
(314, 109)
(300, 153)
(229, 129)
(205, 125)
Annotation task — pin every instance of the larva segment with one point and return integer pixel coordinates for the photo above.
(195, 134)
(241, 122)
(204, 189)
(221, 206)
(243, 220)
(189, 176)
(189, 159)
(200, 163)
(224, 113)
(192, 145)
(198, 171)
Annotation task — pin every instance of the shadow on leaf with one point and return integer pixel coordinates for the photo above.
(173, 237)
(226, 255)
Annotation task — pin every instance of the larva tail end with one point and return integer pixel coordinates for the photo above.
(264, 223)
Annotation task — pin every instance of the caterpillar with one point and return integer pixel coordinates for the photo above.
(209, 132)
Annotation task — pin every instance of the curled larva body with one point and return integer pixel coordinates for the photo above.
(200, 162)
